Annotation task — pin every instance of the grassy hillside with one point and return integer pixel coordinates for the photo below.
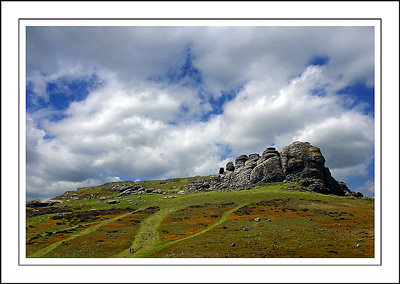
(266, 221)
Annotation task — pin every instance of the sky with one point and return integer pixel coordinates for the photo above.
(106, 104)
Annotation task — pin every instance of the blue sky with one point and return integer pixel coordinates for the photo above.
(117, 103)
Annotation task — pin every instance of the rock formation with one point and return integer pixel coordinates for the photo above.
(299, 163)
(42, 203)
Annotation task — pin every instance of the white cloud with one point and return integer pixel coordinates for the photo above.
(154, 129)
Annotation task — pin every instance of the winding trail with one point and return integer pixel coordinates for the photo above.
(53, 246)
(148, 241)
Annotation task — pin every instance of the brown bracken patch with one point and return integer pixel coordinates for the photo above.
(191, 220)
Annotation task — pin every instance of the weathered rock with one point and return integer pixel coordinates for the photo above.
(299, 163)
(254, 157)
(304, 164)
(268, 171)
(113, 201)
(230, 167)
(239, 162)
(42, 203)
(213, 183)
(157, 191)
(268, 153)
(221, 171)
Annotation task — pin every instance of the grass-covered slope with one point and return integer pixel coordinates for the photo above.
(266, 221)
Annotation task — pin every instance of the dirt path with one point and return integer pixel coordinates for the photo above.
(147, 237)
(53, 246)
(148, 241)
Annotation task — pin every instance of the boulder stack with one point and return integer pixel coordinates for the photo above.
(300, 163)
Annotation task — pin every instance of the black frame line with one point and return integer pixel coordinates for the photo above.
(193, 19)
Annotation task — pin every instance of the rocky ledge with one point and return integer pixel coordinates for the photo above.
(299, 163)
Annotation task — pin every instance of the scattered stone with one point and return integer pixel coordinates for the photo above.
(113, 201)
(233, 245)
(157, 191)
(163, 182)
(183, 192)
(358, 245)
(258, 219)
(42, 203)
(103, 198)
(244, 229)
(268, 220)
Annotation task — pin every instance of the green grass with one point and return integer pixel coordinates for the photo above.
(303, 224)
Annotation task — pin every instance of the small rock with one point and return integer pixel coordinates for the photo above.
(268, 220)
(183, 192)
(113, 201)
(233, 245)
(258, 219)
(358, 245)
(221, 171)
(166, 197)
(244, 229)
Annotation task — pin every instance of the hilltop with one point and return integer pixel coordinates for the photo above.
(271, 205)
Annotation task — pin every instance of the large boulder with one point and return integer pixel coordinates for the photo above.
(239, 162)
(230, 167)
(268, 171)
(304, 164)
(42, 203)
(268, 153)
(302, 160)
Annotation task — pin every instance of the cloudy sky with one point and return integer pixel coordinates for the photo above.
(127, 103)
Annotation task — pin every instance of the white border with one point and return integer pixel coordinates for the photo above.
(198, 22)
(388, 272)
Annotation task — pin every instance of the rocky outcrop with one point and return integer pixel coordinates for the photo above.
(42, 203)
(300, 163)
